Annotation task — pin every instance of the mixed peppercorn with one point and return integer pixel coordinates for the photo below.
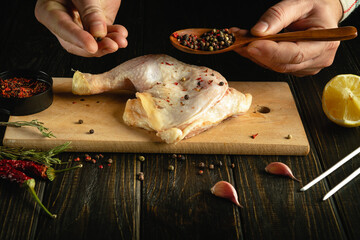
(21, 87)
(213, 40)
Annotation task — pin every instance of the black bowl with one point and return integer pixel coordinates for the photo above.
(30, 105)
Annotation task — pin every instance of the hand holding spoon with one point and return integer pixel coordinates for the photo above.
(333, 34)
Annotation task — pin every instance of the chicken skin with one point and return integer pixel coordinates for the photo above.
(174, 99)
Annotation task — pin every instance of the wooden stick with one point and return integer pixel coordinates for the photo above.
(330, 170)
(341, 184)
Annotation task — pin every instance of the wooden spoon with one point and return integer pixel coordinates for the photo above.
(333, 34)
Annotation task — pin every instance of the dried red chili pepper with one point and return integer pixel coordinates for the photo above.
(13, 175)
(21, 87)
(35, 169)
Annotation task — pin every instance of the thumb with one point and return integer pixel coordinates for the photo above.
(92, 17)
(280, 16)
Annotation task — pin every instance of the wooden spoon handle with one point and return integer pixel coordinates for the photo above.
(333, 34)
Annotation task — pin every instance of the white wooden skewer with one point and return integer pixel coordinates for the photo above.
(341, 184)
(330, 170)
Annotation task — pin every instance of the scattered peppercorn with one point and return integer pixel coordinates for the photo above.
(140, 176)
(232, 165)
(186, 97)
(87, 158)
(171, 168)
(182, 158)
(221, 83)
(201, 165)
(80, 121)
(220, 163)
(77, 159)
(109, 161)
(82, 99)
(93, 161)
(174, 156)
(141, 158)
(289, 136)
(201, 172)
(91, 131)
(211, 166)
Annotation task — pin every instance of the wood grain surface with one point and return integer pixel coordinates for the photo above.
(271, 117)
(111, 203)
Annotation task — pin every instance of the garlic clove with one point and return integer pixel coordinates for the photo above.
(279, 168)
(224, 189)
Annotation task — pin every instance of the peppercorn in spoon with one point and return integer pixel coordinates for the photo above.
(213, 41)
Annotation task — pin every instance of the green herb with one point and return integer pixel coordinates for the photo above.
(33, 123)
(47, 158)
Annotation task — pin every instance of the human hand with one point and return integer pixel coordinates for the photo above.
(297, 58)
(76, 24)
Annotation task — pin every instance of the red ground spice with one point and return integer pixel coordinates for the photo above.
(21, 87)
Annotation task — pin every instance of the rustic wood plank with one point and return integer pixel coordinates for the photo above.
(18, 211)
(92, 202)
(276, 205)
(180, 201)
(328, 138)
(165, 208)
(332, 142)
(112, 135)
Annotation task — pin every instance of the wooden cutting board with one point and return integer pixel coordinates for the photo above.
(103, 114)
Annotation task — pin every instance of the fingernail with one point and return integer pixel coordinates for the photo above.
(253, 51)
(97, 29)
(261, 26)
(108, 50)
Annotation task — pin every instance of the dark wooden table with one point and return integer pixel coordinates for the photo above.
(110, 203)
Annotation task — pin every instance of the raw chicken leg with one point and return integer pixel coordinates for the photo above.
(174, 99)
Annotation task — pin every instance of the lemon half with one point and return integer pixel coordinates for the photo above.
(341, 100)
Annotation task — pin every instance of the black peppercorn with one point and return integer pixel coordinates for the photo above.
(140, 176)
(186, 97)
(91, 131)
(221, 83)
